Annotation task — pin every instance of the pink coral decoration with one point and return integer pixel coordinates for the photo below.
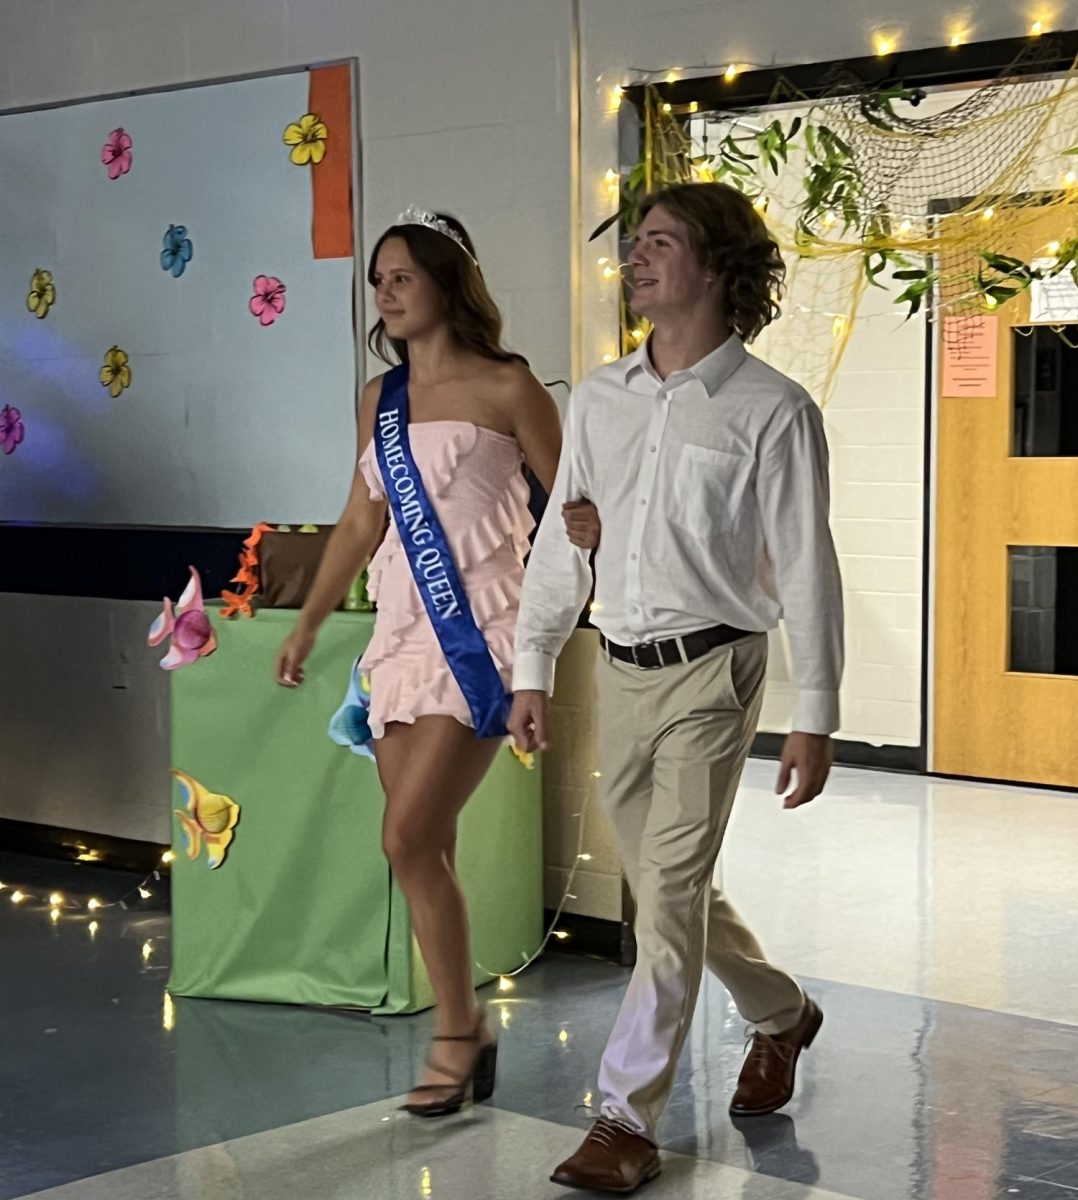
(267, 303)
(116, 153)
(192, 634)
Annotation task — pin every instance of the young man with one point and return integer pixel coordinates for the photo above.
(709, 471)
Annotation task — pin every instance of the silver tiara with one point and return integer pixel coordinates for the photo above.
(420, 216)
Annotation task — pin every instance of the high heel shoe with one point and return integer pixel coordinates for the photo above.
(479, 1082)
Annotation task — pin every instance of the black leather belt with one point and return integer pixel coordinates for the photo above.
(649, 656)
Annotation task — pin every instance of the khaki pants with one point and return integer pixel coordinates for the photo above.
(672, 746)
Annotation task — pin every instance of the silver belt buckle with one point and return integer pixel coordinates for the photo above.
(636, 658)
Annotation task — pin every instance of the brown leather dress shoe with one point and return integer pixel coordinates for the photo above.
(767, 1078)
(610, 1159)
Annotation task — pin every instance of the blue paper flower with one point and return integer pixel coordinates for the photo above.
(178, 250)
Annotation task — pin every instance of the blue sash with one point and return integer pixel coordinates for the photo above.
(431, 560)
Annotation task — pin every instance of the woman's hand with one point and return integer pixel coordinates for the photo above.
(582, 523)
(292, 655)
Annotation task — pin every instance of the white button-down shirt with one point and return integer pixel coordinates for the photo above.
(712, 489)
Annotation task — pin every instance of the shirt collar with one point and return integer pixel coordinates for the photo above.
(712, 371)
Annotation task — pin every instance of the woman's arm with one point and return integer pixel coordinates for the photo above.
(354, 540)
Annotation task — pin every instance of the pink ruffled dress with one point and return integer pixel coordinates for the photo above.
(475, 483)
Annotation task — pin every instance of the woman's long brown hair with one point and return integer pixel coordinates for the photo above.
(470, 312)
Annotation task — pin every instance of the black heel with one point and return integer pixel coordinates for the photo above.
(479, 1082)
(485, 1075)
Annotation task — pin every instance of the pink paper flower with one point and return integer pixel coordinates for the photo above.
(116, 153)
(267, 303)
(192, 634)
(12, 430)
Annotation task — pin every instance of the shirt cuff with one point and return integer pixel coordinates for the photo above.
(816, 712)
(533, 671)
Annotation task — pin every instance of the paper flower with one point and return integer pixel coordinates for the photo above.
(178, 250)
(307, 137)
(12, 430)
(42, 294)
(116, 374)
(267, 303)
(209, 817)
(192, 633)
(116, 153)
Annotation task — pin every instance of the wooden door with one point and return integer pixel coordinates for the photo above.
(1006, 550)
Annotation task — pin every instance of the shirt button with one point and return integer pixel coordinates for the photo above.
(643, 502)
(654, 449)
(636, 611)
(635, 557)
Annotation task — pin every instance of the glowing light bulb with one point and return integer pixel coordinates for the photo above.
(959, 37)
(905, 227)
(587, 1099)
(1052, 248)
(93, 904)
(505, 984)
(560, 934)
(563, 1036)
(93, 928)
(988, 214)
(637, 335)
(616, 95)
(167, 857)
(17, 897)
(731, 72)
(608, 358)
(609, 272)
(667, 108)
(838, 326)
(56, 899)
(596, 774)
(1036, 29)
(673, 76)
(885, 44)
(145, 893)
(168, 1014)
(829, 219)
(991, 302)
(760, 203)
(147, 950)
(584, 857)
(54, 915)
(505, 1016)
(1070, 179)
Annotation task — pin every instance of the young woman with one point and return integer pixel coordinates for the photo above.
(442, 440)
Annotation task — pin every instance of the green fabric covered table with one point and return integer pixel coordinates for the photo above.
(303, 909)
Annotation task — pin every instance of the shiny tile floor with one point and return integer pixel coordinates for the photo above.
(936, 922)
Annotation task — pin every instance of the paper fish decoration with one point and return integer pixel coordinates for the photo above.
(350, 724)
(209, 818)
(526, 758)
(192, 633)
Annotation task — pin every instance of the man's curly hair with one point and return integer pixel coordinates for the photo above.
(731, 239)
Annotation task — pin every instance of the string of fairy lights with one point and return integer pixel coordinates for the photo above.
(885, 42)
(58, 905)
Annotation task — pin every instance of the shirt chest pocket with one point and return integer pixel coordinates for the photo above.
(709, 489)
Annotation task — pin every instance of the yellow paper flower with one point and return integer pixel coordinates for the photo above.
(116, 374)
(307, 137)
(42, 294)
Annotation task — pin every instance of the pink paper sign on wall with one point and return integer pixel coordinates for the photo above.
(970, 356)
